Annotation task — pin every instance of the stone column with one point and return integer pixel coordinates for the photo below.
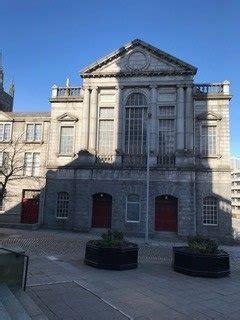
(118, 127)
(180, 118)
(93, 120)
(153, 125)
(85, 119)
(189, 119)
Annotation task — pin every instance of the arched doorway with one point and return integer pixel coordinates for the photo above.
(166, 213)
(101, 210)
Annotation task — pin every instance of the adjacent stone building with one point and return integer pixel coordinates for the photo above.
(6, 99)
(235, 164)
(94, 148)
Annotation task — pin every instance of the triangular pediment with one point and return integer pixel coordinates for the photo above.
(209, 116)
(138, 57)
(67, 117)
(5, 117)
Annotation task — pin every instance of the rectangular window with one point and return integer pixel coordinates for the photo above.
(62, 205)
(210, 211)
(209, 140)
(66, 140)
(105, 140)
(166, 111)
(135, 131)
(166, 137)
(4, 157)
(34, 132)
(5, 131)
(132, 208)
(31, 164)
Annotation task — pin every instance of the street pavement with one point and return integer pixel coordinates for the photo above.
(65, 288)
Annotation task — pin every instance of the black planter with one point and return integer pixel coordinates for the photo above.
(214, 265)
(119, 258)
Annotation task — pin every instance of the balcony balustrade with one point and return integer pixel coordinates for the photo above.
(166, 160)
(212, 88)
(65, 92)
(104, 159)
(130, 160)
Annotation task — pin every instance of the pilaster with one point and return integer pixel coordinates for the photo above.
(153, 125)
(85, 119)
(118, 126)
(93, 120)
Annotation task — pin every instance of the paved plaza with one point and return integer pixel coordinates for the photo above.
(65, 288)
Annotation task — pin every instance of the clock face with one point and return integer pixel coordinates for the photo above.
(137, 60)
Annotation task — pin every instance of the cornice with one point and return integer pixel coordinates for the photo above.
(136, 74)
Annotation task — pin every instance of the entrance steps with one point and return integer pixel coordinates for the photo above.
(15, 304)
(167, 236)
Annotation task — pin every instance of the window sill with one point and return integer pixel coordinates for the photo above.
(70, 155)
(33, 142)
(211, 157)
(58, 218)
(132, 221)
(9, 141)
(210, 225)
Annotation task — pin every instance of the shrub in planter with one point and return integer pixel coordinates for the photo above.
(201, 258)
(112, 252)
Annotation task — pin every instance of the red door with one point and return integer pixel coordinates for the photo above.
(101, 210)
(166, 213)
(30, 206)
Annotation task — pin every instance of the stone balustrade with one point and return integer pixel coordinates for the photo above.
(212, 88)
(104, 159)
(64, 92)
(166, 160)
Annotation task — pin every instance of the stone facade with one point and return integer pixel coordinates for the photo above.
(100, 161)
(6, 99)
(235, 165)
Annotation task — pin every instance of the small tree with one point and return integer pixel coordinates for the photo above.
(12, 163)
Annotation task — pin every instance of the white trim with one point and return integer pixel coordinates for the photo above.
(67, 125)
(32, 168)
(56, 206)
(209, 124)
(11, 129)
(217, 212)
(33, 141)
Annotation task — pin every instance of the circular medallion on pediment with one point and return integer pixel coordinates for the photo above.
(137, 60)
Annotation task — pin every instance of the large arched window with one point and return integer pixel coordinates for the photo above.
(135, 125)
(210, 211)
(62, 205)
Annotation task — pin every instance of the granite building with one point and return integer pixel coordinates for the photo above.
(235, 165)
(6, 99)
(85, 162)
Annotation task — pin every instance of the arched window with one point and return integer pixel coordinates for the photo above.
(210, 211)
(132, 208)
(135, 125)
(62, 205)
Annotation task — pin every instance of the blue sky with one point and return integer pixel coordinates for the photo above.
(44, 42)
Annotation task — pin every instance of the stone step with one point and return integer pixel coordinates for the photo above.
(29, 305)
(165, 235)
(12, 306)
(3, 313)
